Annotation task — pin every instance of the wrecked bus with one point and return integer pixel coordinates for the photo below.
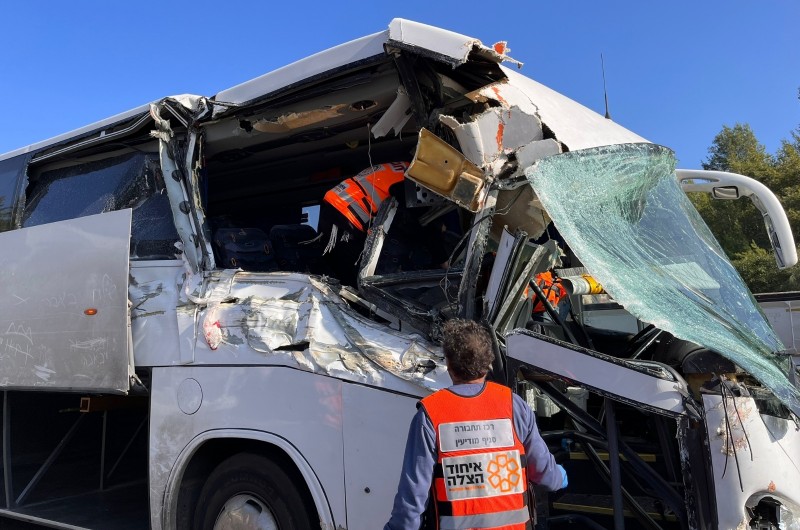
(172, 357)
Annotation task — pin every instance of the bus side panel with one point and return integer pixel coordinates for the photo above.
(303, 408)
(375, 432)
(153, 291)
(64, 305)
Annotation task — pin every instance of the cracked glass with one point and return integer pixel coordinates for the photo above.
(127, 181)
(624, 215)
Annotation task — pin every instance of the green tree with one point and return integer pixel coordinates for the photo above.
(738, 224)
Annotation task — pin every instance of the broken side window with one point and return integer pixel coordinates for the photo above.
(128, 181)
(11, 170)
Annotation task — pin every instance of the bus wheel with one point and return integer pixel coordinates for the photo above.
(250, 492)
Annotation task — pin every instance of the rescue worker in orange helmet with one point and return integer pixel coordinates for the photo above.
(473, 447)
(346, 213)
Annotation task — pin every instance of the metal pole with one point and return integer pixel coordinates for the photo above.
(103, 452)
(613, 464)
(7, 451)
(49, 461)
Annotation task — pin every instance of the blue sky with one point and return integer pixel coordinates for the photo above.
(676, 71)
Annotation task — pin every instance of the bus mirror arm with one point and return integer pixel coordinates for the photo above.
(728, 186)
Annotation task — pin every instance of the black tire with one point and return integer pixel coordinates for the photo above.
(256, 484)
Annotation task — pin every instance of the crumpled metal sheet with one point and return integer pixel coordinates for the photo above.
(450, 47)
(304, 322)
(766, 461)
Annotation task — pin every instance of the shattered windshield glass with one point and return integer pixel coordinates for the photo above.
(624, 215)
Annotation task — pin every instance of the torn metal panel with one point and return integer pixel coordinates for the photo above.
(444, 170)
(181, 178)
(494, 133)
(767, 456)
(504, 94)
(446, 46)
(395, 117)
(189, 110)
(574, 125)
(296, 120)
(376, 237)
(300, 321)
(198, 106)
(528, 154)
(505, 139)
(184, 222)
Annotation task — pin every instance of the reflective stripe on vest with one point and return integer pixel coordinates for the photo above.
(480, 480)
(485, 520)
(359, 198)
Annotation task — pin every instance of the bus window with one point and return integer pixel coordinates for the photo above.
(11, 171)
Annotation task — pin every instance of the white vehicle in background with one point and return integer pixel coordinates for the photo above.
(171, 358)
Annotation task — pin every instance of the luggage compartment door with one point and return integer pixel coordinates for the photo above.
(64, 320)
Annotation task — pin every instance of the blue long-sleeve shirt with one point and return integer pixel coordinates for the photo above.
(421, 454)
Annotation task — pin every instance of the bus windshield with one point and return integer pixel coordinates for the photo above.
(626, 218)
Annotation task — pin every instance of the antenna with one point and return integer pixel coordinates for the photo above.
(605, 92)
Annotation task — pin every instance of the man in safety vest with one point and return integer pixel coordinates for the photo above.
(555, 293)
(347, 210)
(473, 447)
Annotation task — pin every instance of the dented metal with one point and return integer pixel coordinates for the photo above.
(301, 321)
(752, 456)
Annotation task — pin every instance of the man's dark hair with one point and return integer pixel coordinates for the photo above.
(468, 348)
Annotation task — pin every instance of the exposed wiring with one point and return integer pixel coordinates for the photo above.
(729, 437)
(744, 431)
(369, 157)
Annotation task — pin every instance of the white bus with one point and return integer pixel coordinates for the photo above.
(175, 355)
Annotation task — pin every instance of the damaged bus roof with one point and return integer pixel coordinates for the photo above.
(578, 127)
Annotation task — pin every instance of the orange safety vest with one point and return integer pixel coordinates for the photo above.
(359, 197)
(552, 289)
(480, 479)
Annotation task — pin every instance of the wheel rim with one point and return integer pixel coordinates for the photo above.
(245, 512)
